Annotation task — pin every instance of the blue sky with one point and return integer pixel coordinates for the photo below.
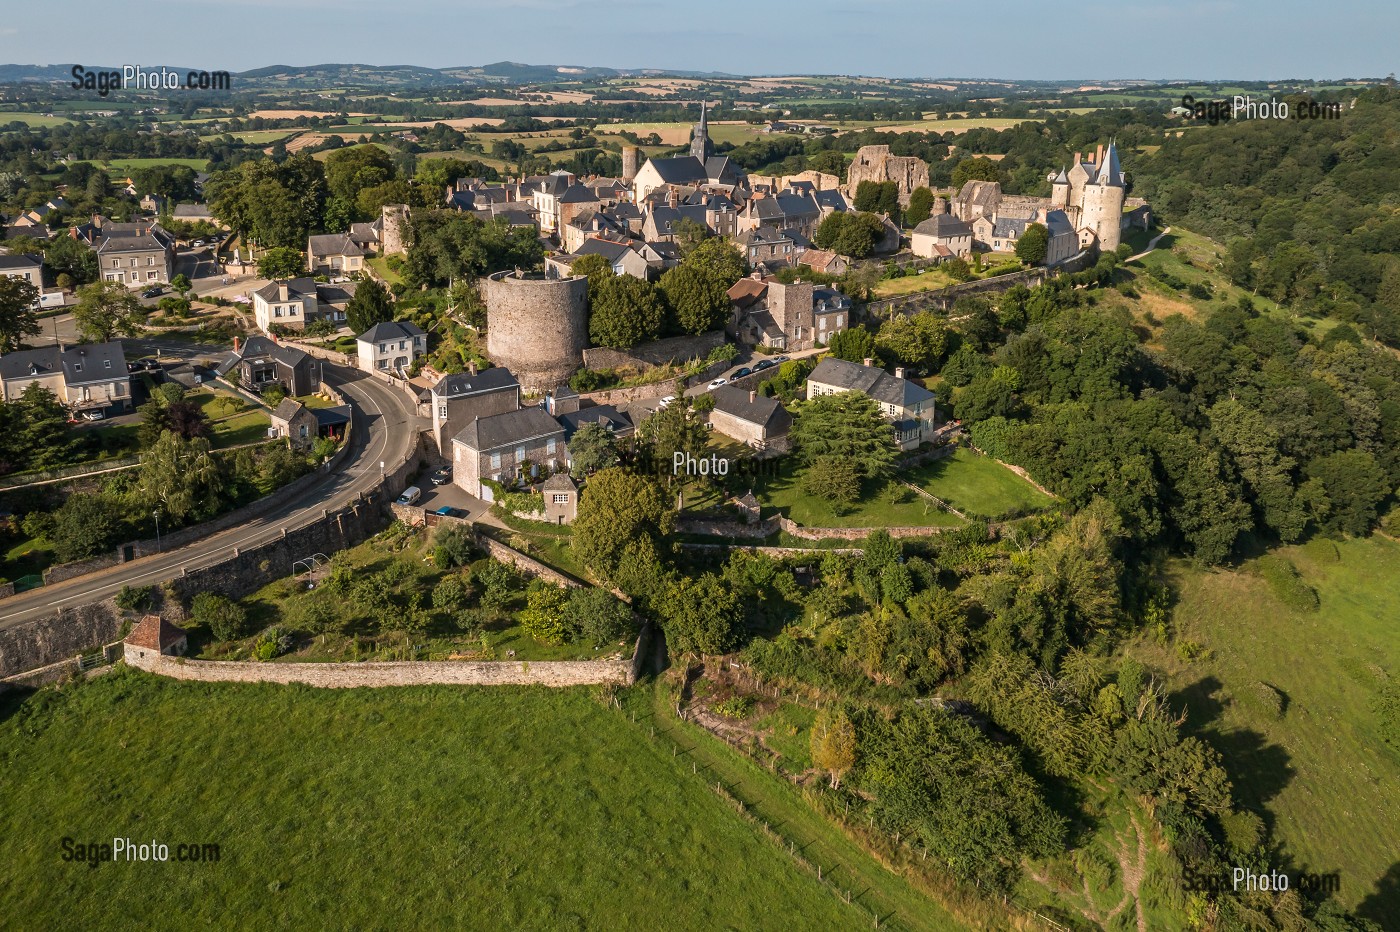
(897, 38)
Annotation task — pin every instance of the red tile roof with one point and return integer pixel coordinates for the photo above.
(154, 632)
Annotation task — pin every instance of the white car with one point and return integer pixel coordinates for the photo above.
(718, 382)
(665, 402)
(93, 415)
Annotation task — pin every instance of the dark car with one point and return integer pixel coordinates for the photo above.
(764, 364)
(740, 373)
(447, 511)
(443, 477)
(154, 291)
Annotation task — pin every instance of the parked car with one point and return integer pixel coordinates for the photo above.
(718, 382)
(779, 360)
(93, 415)
(410, 496)
(763, 364)
(447, 511)
(665, 402)
(443, 477)
(741, 372)
(154, 291)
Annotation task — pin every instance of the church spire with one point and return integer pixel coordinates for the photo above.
(700, 145)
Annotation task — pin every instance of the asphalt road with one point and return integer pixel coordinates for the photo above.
(385, 428)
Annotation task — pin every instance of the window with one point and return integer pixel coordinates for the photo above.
(549, 447)
(383, 347)
(495, 461)
(119, 389)
(133, 263)
(106, 363)
(302, 431)
(519, 454)
(561, 498)
(383, 363)
(442, 411)
(116, 263)
(150, 260)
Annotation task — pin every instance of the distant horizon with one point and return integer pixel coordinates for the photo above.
(730, 75)
(1021, 39)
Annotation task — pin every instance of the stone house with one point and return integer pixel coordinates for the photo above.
(334, 254)
(792, 317)
(824, 261)
(507, 448)
(259, 363)
(907, 404)
(765, 246)
(156, 635)
(623, 258)
(746, 416)
(290, 304)
(391, 347)
(788, 212)
(136, 253)
(560, 499)
(942, 230)
(462, 397)
(89, 377)
(295, 422)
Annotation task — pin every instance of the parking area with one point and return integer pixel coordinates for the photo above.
(436, 496)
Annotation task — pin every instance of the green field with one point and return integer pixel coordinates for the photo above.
(424, 807)
(978, 485)
(32, 119)
(882, 505)
(1320, 774)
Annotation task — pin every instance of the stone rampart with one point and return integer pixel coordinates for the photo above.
(556, 673)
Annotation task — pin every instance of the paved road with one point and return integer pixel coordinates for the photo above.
(385, 428)
(747, 358)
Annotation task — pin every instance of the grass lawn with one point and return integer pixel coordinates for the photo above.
(120, 166)
(929, 280)
(1320, 773)
(978, 485)
(380, 264)
(548, 543)
(876, 507)
(316, 401)
(417, 807)
(27, 556)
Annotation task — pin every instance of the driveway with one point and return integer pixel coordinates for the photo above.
(454, 496)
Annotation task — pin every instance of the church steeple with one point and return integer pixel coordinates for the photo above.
(700, 145)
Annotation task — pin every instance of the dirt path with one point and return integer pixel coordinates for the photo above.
(1151, 245)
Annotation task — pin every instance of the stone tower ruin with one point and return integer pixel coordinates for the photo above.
(631, 163)
(394, 229)
(875, 163)
(535, 326)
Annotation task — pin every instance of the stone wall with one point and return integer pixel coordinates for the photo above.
(656, 353)
(728, 528)
(876, 163)
(853, 533)
(58, 637)
(527, 565)
(944, 298)
(558, 673)
(614, 396)
(537, 327)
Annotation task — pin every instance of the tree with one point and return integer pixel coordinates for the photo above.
(850, 234)
(1032, 244)
(106, 309)
(591, 449)
(978, 168)
(445, 246)
(183, 418)
(833, 478)
(370, 305)
(18, 319)
(623, 311)
(281, 262)
(42, 427)
(920, 207)
(1355, 486)
(849, 426)
(833, 743)
(594, 267)
(919, 341)
(698, 300)
(85, 526)
(720, 259)
(618, 508)
(182, 478)
(701, 614)
(853, 345)
(65, 255)
(452, 546)
(544, 615)
(595, 616)
(224, 618)
(181, 283)
(676, 428)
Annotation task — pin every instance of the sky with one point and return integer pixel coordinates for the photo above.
(1015, 39)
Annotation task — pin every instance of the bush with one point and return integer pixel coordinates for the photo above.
(224, 618)
(274, 642)
(1288, 587)
(453, 546)
(735, 707)
(449, 594)
(597, 617)
(134, 598)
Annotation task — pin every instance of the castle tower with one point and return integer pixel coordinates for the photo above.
(537, 327)
(700, 145)
(1103, 201)
(393, 233)
(1059, 190)
(631, 163)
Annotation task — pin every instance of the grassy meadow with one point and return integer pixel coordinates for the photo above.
(425, 807)
(1318, 772)
(978, 485)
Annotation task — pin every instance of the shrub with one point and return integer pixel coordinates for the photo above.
(735, 707)
(543, 618)
(274, 642)
(596, 616)
(449, 594)
(1190, 651)
(1288, 587)
(134, 598)
(453, 546)
(224, 618)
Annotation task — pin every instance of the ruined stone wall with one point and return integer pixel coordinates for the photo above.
(527, 565)
(615, 396)
(876, 163)
(556, 673)
(395, 229)
(656, 353)
(536, 327)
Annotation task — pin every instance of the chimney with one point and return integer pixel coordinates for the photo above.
(899, 372)
(869, 363)
(1077, 158)
(236, 341)
(753, 397)
(1098, 155)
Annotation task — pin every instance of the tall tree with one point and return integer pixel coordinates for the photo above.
(281, 262)
(833, 743)
(17, 316)
(616, 509)
(182, 478)
(623, 311)
(370, 305)
(846, 425)
(1032, 244)
(106, 309)
(591, 449)
(920, 207)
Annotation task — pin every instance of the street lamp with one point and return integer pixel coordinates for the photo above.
(156, 514)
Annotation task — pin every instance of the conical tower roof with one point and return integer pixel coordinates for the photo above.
(1110, 172)
(1061, 178)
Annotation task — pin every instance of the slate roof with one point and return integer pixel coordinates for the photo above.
(944, 225)
(685, 169)
(293, 289)
(460, 384)
(1110, 173)
(21, 261)
(332, 417)
(665, 219)
(1010, 227)
(607, 415)
(559, 482)
(608, 249)
(391, 330)
(763, 235)
(877, 383)
(287, 409)
(579, 194)
(832, 199)
(509, 429)
(255, 347)
(767, 412)
(154, 633)
(333, 244)
(192, 212)
(79, 365)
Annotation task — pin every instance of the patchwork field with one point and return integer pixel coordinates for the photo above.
(468, 808)
(1318, 771)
